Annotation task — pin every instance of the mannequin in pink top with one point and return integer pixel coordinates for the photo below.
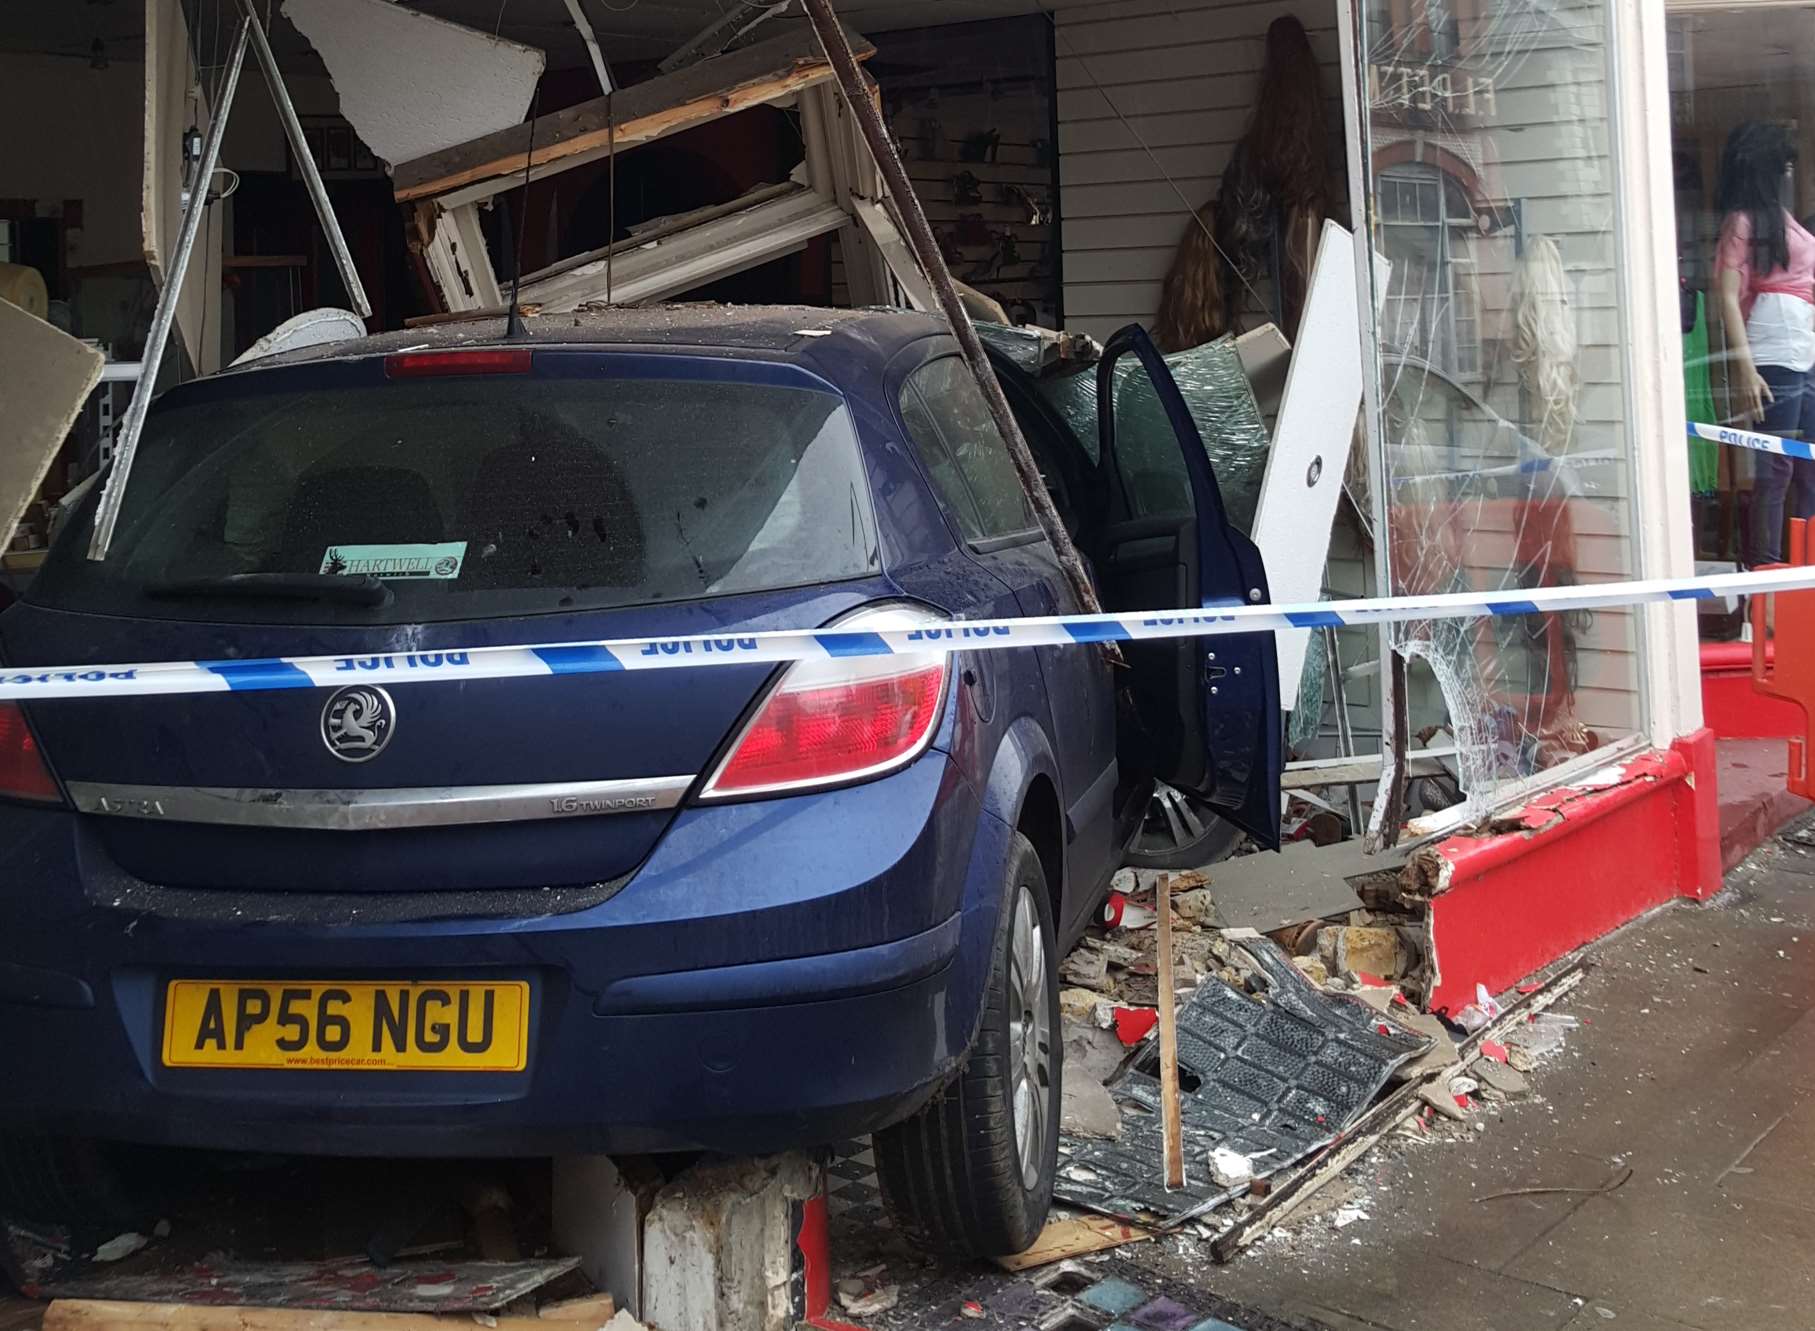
(1764, 284)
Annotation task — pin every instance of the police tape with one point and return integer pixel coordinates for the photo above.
(34, 683)
(1752, 439)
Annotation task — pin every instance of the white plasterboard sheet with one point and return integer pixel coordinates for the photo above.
(45, 377)
(1265, 354)
(412, 84)
(1311, 442)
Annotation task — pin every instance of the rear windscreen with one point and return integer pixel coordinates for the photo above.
(480, 497)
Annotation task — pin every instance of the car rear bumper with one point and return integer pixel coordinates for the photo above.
(771, 1043)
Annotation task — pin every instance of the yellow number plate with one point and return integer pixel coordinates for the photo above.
(338, 1024)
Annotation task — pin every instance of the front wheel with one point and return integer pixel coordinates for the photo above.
(971, 1174)
(1180, 831)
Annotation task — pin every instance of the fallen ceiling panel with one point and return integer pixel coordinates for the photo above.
(412, 84)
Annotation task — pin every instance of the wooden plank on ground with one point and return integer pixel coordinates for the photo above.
(643, 112)
(110, 1315)
(1074, 1236)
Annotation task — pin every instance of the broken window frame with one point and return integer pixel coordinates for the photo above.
(1626, 144)
(837, 188)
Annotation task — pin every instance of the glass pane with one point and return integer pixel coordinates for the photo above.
(951, 397)
(482, 496)
(930, 444)
(1494, 198)
(1743, 148)
(1147, 449)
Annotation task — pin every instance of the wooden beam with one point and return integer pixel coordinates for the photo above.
(1361, 770)
(692, 257)
(766, 72)
(1172, 1125)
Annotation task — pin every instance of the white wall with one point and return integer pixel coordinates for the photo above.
(1184, 74)
(72, 132)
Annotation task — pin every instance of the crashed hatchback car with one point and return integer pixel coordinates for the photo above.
(737, 908)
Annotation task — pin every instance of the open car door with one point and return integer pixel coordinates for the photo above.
(1210, 706)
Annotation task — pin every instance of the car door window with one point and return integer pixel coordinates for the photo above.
(951, 426)
(1147, 456)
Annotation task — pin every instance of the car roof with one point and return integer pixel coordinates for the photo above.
(806, 332)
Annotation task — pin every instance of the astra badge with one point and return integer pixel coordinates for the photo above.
(356, 723)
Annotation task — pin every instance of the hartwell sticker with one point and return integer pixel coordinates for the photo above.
(395, 561)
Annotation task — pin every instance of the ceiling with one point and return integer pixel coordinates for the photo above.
(1744, 48)
(627, 29)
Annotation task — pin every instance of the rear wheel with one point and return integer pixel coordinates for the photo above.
(972, 1172)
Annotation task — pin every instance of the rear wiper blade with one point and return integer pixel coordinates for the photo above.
(367, 591)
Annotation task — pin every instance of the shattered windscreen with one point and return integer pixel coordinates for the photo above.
(1503, 400)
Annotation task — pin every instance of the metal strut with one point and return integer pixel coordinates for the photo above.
(250, 32)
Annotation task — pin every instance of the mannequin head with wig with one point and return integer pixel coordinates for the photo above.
(1755, 168)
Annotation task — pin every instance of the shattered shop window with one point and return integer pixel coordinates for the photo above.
(1503, 404)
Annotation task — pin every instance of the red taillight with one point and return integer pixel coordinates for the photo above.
(23, 773)
(446, 364)
(839, 720)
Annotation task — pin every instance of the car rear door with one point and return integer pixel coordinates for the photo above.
(1210, 704)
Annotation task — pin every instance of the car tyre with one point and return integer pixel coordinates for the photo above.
(971, 1174)
(1186, 835)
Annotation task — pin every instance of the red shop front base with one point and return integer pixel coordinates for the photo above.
(1573, 864)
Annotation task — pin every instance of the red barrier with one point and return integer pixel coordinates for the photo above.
(1786, 621)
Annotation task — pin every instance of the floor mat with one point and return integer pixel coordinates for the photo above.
(1271, 1080)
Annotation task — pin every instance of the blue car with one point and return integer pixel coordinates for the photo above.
(737, 908)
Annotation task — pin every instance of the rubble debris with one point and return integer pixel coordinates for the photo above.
(1092, 1049)
(1479, 1013)
(1365, 950)
(1086, 967)
(1540, 1037)
(1348, 1215)
(1313, 970)
(1499, 1077)
(1230, 1167)
(1388, 1116)
(1442, 1053)
(1196, 906)
(1321, 1057)
(1086, 1006)
(120, 1246)
(864, 1295)
(1439, 1097)
(1086, 1108)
